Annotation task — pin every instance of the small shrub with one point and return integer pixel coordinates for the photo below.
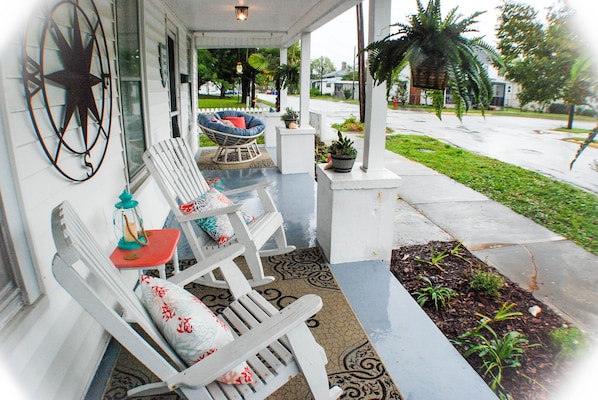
(496, 353)
(347, 93)
(558, 108)
(314, 92)
(440, 295)
(569, 341)
(587, 112)
(486, 281)
(350, 124)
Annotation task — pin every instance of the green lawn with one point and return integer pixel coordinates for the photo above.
(205, 101)
(560, 207)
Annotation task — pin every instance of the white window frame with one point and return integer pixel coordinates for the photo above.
(16, 253)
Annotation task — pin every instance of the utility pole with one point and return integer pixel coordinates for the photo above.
(361, 55)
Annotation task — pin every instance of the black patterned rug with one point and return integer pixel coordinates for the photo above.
(353, 363)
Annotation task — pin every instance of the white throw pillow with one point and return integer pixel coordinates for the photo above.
(188, 325)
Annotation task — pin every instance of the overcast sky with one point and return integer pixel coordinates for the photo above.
(337, 40)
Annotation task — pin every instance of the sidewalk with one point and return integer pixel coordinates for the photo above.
(432, 206)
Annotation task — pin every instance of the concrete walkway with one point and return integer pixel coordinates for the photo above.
(432, 206)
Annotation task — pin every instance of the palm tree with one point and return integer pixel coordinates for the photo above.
(439, 56)
(283, 76)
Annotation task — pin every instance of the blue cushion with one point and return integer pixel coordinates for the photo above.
(254, 125)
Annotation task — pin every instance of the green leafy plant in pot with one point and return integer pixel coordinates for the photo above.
(439, 55)
(342, 154)
(290, 117)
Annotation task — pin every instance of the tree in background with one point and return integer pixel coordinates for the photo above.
(218, 66)
(541, 57)
(267, 63)
(320, 67)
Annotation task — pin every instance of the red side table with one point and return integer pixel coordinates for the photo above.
(160, 250)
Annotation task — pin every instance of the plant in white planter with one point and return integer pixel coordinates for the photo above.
(290, 117)
(342, 154)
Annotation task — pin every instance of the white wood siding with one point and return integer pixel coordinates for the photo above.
(52, 348)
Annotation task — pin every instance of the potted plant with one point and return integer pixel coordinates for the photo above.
(290, 117)
(342, 153)
(439, 55)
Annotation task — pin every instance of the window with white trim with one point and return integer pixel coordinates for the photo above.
(131, 86)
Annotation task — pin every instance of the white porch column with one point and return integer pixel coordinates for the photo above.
(375, 104)
(305, 79)
(283, 92)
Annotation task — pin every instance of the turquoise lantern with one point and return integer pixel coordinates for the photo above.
(128, 223)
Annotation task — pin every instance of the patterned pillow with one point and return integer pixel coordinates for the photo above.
(218, 227)
(188, 325)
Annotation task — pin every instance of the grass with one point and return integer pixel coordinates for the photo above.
(509, 112)
(205, 101)
(560, 207)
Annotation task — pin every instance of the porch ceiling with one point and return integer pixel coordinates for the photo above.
(271, 23)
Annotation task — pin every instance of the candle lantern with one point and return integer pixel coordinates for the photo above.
(128, 223)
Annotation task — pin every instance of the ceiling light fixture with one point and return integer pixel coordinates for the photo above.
(242, 12)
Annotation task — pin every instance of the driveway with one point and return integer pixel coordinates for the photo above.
(526, 142)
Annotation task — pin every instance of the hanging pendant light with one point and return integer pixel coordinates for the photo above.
(242, 13)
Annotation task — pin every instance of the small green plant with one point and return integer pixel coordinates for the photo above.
(440, 295)
(456, 251)
(569, 341)
(343, 146)
(350, 124)
(486, 281)
(289, 115)
(496, 352)
(434, 260)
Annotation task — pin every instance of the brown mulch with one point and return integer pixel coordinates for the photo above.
(539, 374)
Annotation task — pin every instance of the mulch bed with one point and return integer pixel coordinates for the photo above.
(540, 374)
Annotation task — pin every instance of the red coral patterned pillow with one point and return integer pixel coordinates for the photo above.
(189, 326)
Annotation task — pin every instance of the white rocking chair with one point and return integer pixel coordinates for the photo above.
(276, 344)
(171, 164)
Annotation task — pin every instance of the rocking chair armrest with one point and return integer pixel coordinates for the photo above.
(212, 367)
(209, 213)
(208, 264)
(248, 188)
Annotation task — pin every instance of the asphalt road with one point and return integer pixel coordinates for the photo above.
(526, 142)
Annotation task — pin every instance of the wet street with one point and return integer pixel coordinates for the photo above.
(527, 142)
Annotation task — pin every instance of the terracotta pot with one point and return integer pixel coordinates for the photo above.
(342, 163)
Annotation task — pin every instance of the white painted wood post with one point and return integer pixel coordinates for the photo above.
(305, 79)
(375, 104)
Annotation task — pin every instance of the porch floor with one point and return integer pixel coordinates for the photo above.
(410, 345)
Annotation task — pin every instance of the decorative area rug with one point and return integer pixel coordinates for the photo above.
(353, 363)
(205, 161)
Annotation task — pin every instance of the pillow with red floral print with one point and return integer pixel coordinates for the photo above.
(218, 227)
(188, 325)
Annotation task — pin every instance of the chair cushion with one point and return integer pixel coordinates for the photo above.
(188, 325)
(253, 125)
(239, 122)
(218, 227)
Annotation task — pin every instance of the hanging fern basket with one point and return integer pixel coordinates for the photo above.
(430, 74)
